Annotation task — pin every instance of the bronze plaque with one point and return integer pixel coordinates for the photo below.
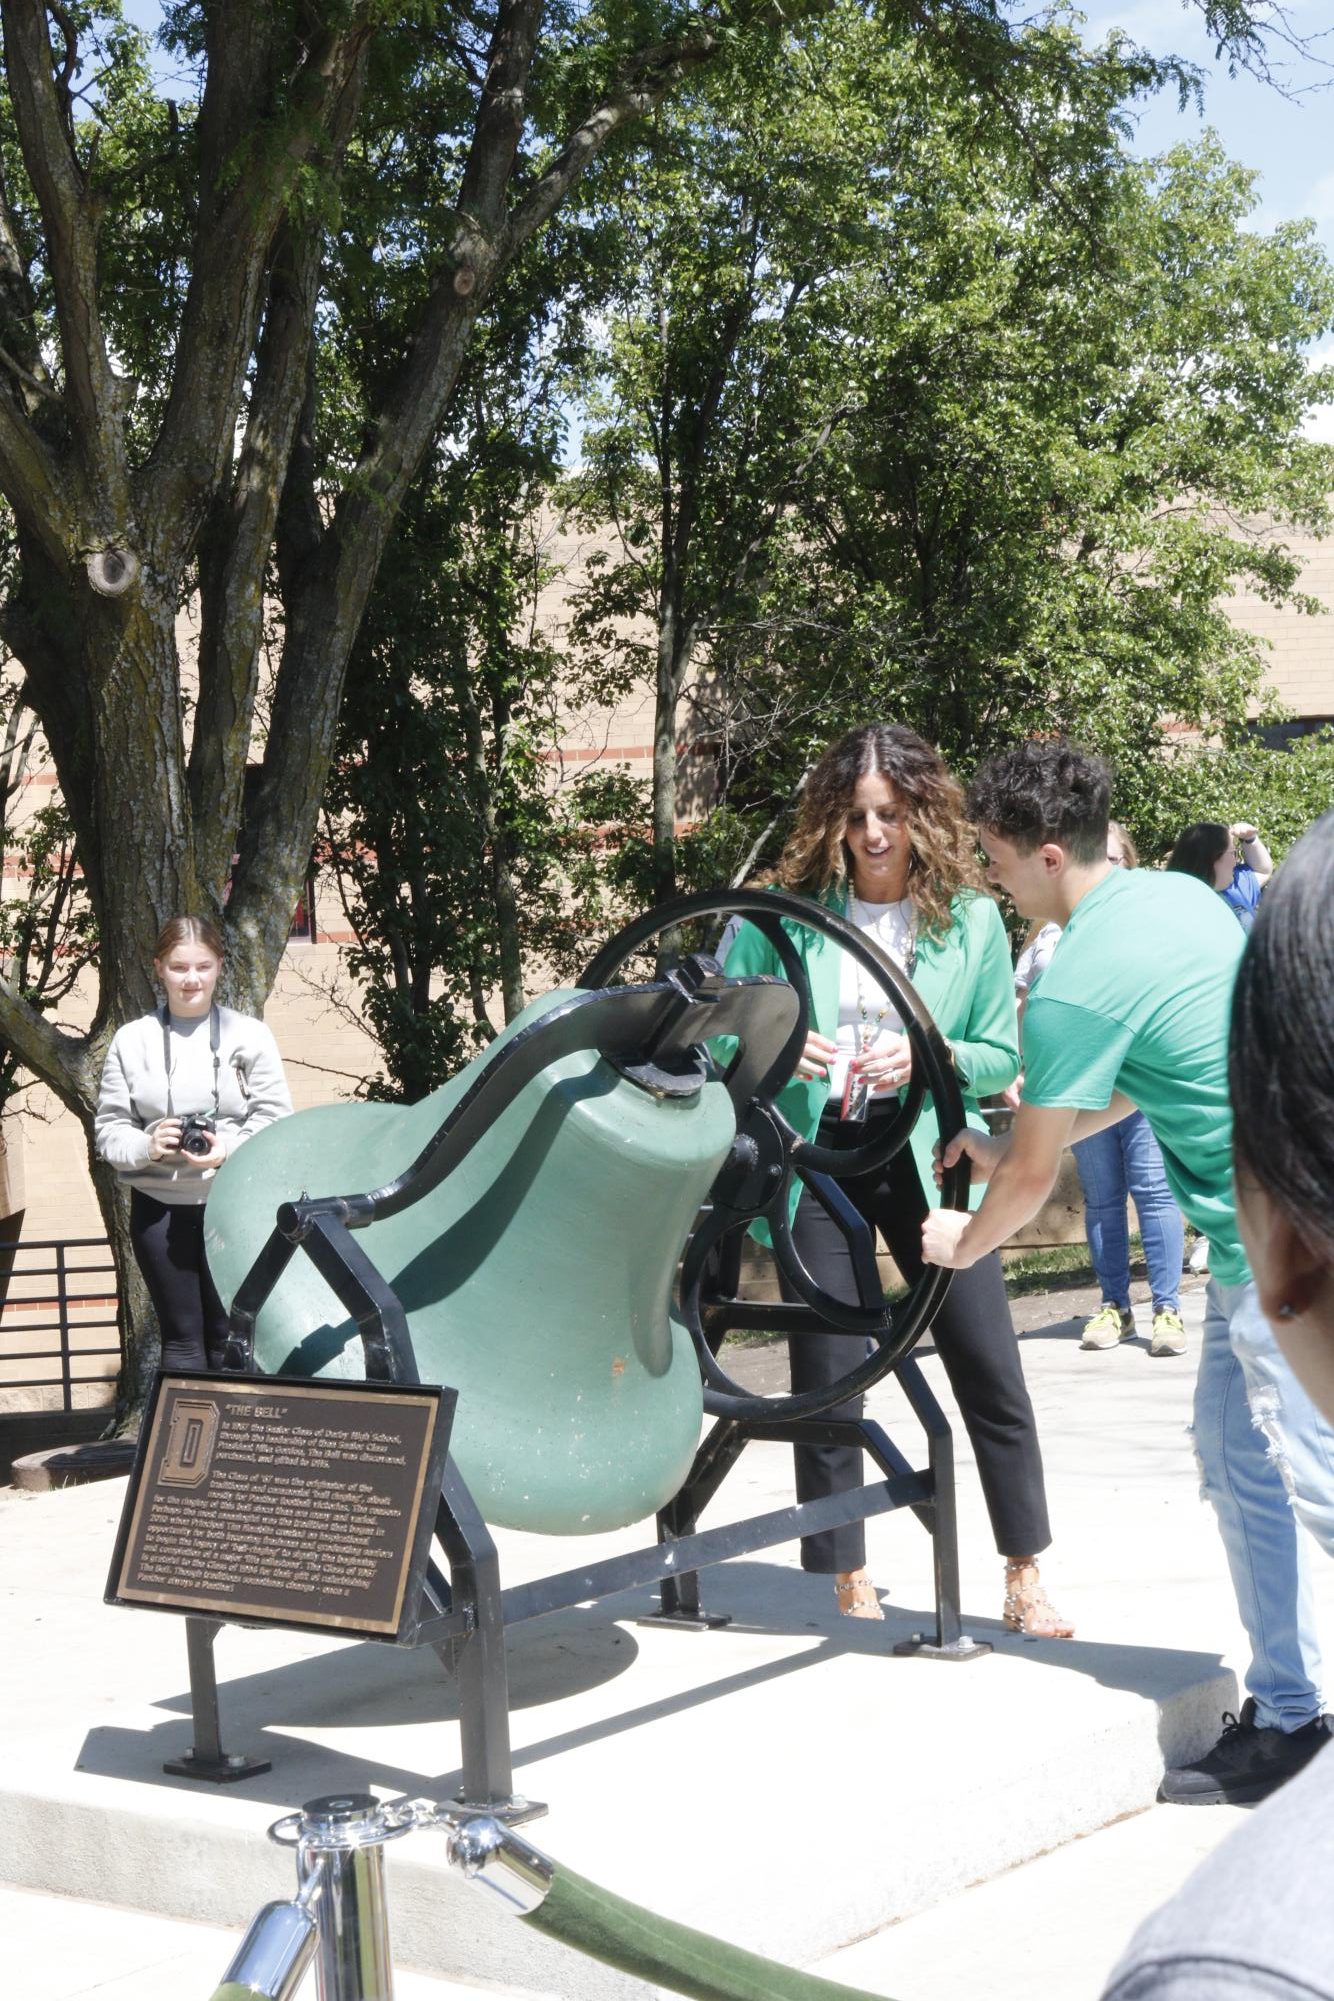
(304, 1504)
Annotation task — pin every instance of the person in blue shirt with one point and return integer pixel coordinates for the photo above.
(1232, 860)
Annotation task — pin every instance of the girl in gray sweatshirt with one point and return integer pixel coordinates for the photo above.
(192, 1059)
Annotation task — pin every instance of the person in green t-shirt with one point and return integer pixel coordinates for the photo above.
(1257, 1918)
(1133, 1012)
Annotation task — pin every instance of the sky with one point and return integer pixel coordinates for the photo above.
(1286, 133)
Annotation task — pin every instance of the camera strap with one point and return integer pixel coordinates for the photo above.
(214, 1043)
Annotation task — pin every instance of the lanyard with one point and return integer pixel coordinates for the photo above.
(214, 1040)
(908, 964)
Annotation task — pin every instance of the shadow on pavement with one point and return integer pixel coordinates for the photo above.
(571, 1655)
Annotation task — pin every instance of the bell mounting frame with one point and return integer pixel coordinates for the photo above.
(768, 1153)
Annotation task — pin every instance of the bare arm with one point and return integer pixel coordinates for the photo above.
(1253, 850)
(1096, 1122)
(1022, 1173)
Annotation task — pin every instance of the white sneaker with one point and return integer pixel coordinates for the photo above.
(1169, 1333)
(1109, 1325)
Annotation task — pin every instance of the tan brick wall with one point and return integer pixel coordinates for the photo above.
(1299, 651)
(1300, 646)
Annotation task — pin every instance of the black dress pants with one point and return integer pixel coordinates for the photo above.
(168, 1241)
(974, 1337)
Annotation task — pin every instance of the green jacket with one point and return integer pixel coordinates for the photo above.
(964, 980)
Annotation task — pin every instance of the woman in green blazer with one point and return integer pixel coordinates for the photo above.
(881, 838)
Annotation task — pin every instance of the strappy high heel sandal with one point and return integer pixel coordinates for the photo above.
(855, 1595)
(1028, 1610)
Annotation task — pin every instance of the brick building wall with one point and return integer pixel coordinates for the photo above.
(1301, 645)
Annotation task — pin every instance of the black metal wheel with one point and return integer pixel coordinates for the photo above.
(768, 1154)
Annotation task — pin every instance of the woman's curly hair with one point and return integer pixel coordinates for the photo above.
(944, 858)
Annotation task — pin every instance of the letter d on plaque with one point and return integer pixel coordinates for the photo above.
(190, 1442)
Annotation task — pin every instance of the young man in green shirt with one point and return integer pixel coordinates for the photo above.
(1133, 1011)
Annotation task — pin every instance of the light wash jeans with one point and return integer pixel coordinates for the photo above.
(1267, 1465)
(1120, 1160)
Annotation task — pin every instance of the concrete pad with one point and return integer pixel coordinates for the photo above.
(1056, 1925)
(786, 1782)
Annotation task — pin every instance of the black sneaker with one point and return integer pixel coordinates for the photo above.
(1247, 1763)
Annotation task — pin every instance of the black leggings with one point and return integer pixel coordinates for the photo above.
(168, 1241)
(974, 1337)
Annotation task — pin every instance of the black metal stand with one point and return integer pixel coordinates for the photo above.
(949, 1642)
(682, 1551)
(932, 1502)
(653, 1034)
(208, 1760)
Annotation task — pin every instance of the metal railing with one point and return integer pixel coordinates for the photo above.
(339, 1918)
(43, 1292)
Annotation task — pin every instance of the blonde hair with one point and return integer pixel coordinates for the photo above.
(943, 859)
(188, 931)
(1129, 852)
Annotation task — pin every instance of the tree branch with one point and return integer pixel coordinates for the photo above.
(415, 404)
(20, 733)
(62, 1061)
(33, 484)
(90, 383)
(233, 557)
(647, 81)
(17, 307)
(229, 258)
(233, 566)
(298, 528)
(500, 114)
(57, 686)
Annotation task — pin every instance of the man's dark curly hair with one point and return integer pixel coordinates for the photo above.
(1045, 790)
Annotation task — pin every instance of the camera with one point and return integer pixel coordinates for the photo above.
(197, 1131)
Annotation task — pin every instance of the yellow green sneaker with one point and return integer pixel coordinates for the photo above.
(1109, 1325)
(1169, 1333)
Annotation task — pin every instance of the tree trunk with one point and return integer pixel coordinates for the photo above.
(115, 530)
(504, 896)
(666, 691)
(141, 1337)
(676, 647)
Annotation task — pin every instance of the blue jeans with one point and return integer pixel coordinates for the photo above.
(1124, 1159)
(1267, 1465)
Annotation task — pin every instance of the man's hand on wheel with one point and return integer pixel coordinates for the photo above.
(941, 1235)
(984, 1152)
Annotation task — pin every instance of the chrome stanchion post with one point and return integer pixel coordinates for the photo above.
(340, 1916)
(491, 1853)
(272, 1958)
(340, 1861)
(343, 1836)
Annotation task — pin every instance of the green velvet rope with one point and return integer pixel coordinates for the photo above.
(655, 1949)
(230, 1991)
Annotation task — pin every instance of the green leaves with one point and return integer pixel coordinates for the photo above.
(920, 397)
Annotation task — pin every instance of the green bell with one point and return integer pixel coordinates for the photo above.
(536, 1278)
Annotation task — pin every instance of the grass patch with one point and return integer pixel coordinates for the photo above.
(1052, 1267)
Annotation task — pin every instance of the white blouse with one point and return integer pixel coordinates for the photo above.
(865, 1012)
